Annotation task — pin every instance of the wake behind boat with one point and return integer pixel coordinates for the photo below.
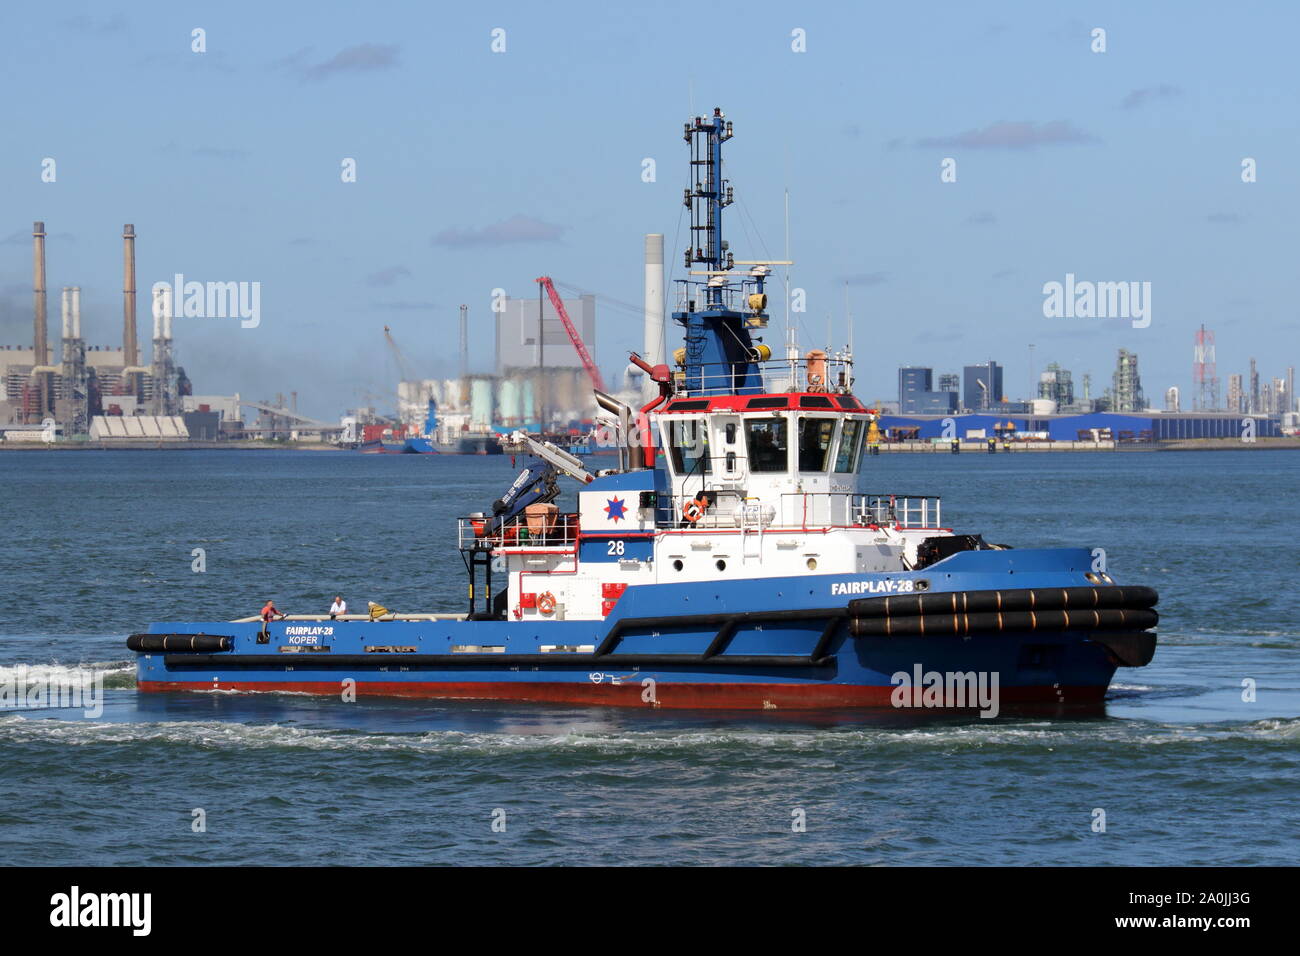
(746, 563)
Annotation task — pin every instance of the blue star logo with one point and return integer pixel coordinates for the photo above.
(616, 508)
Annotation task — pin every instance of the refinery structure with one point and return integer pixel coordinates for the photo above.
(540, 381)
(105, 395)
(543, 379)
(95, 391)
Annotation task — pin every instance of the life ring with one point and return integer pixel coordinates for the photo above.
(693, 511)
(546, 602)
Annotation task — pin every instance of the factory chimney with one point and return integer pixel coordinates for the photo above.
(41, 345)
(164, 397)
(76, 311)
(157, 317)
(67, 312)
(464, 342)
(42, 353)
(654, 348)
(130, 342)
(162, 313)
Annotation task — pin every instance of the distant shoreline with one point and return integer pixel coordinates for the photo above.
(979, 447)
(169, 446)
(896, 448)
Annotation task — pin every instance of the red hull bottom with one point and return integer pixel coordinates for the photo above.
(667, 695)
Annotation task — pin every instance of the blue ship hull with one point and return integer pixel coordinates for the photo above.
(776, 643)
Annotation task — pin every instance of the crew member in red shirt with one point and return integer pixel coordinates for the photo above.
(269, 613)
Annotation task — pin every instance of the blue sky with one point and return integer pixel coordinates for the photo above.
(478, 170)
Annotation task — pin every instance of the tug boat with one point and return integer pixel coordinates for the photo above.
(734, 558)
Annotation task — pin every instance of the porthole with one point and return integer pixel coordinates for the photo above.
(812, 564)
(677, 565)
(721, 565)
(922, 584)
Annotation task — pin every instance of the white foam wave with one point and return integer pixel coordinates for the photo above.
(67, 675)
(223, 735)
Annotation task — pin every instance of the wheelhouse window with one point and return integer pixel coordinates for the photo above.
(815, 437)
(688, 446)
(768, 446)
(846, 458)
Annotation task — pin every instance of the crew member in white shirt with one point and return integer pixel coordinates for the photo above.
(339, 606)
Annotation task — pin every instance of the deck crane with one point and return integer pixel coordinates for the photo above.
(537, 483)
(597, 380)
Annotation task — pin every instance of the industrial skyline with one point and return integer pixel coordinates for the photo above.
(89, 380)
(76, 390)
(1124, 165)
(971, 391)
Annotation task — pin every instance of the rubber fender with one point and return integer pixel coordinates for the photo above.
(1003, 622)
(1019, 599)
(175, 643)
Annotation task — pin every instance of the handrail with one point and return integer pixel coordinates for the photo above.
(520, 531)
(809, 509)
(792, 370)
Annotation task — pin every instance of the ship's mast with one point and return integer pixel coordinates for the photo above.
(721, 308)
(708, 196)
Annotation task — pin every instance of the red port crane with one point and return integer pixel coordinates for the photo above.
(596, 379)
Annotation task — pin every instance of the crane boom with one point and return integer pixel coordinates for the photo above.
(597, 380)
(397, 354)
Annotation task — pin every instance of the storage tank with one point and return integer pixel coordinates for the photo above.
(508, 402)
(1043, 406)
(528, 402)
(481, 401)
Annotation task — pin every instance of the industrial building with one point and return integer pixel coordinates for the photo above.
(1236, 396)
(83, 383)
(1121, 415)
(1056, 385)
(540, 376)
(539, 381)
(1126, 394)
(531, 335)
(1146, 427)
(543, 373)
(916, 395)
(981, 386)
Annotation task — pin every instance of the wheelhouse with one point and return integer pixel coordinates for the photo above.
(769, 437)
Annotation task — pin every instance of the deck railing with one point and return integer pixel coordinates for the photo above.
(730, 510)
(833, 375)
(903, 511)
(484, 533)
